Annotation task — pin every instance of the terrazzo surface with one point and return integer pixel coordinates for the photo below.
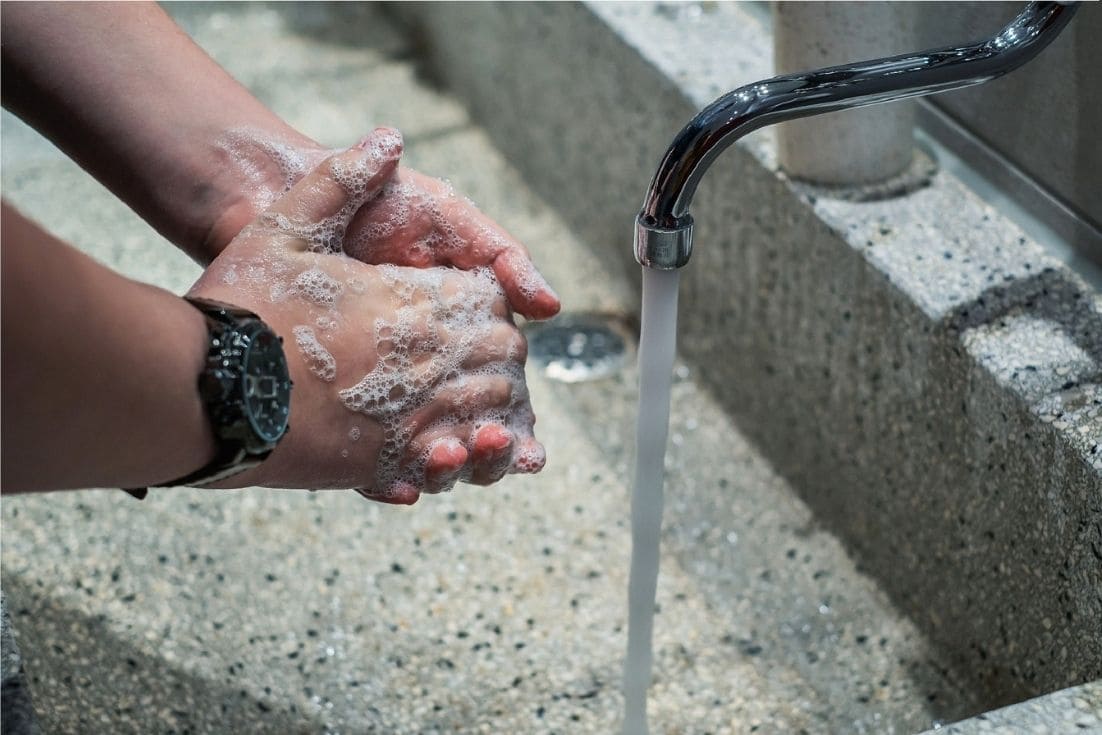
(485, 610)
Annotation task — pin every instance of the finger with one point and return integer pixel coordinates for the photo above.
(487, 244)
(504, 343)
(422, 223)
(393, 229)
(491, 454)
(440, 455)
(331, 193)
(529, 456)
(528, 291)
(400, 493)
(442, 449)
(461, 400)
(446, 457)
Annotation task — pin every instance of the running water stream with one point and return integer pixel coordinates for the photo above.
(657, 345)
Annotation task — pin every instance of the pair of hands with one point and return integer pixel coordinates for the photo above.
(408, 376)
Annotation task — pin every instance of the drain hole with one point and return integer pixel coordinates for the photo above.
(573, 348)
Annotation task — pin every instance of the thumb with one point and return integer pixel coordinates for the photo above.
(317, 210)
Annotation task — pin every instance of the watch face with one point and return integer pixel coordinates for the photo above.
(267, 385)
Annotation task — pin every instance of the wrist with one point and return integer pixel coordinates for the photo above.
(245, 170)
(180, 409)
(245, 390)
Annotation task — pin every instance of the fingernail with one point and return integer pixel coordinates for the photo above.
(501, 441)
(382, 143)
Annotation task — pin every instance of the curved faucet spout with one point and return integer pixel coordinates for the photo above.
(663, 233)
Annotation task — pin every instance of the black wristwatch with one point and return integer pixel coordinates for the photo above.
(246, 391)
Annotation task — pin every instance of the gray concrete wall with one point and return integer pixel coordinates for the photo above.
(1046, 117)
(924, 374)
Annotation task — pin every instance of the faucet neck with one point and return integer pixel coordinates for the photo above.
(665, 211)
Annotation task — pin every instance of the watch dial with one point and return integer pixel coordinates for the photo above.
(267, 385)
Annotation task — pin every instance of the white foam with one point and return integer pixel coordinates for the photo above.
(320, 361)
(424, 358)
(317, 286)
(404, 204)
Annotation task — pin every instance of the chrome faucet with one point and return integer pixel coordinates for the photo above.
(664, 227)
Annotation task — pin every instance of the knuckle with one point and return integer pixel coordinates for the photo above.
(500, 391)
(519, 347)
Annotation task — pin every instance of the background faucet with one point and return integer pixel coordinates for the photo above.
(664, 227)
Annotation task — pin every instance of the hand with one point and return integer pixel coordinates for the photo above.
(416, 220)
(406, 380)
(420, 221)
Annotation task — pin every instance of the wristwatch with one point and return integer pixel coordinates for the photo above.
(246, 392)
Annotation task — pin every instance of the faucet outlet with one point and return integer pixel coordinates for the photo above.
(663, 248)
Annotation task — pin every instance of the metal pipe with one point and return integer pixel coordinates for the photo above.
(663, 232)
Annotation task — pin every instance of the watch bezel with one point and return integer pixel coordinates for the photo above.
(251, 332)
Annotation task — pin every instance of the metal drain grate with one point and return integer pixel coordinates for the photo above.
(573, 348)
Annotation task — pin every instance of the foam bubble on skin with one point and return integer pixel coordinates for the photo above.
(445, 483)
(409, 205)
(439, 241)
(354, 433)
(320, 361)
(252, 153)
(383, 142)
(418, 365)
(317, 286)
(530, 459)
(325, 323)
(230, 276)
(528, 280)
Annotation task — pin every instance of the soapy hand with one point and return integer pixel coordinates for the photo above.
(406, 379)
(416, 220)
(420, 221)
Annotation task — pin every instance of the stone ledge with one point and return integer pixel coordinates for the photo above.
(924, 374)
(1077, 709)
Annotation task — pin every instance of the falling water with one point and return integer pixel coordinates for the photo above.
(657, 344)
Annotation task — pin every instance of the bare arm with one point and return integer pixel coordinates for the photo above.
(129, 96)
(99, 372)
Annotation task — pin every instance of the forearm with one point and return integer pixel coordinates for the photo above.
(99, 372)
(122, 90)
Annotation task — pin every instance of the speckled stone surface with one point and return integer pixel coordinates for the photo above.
(17, 713)
(1073, 710)
(925, 376)
(486, 610)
